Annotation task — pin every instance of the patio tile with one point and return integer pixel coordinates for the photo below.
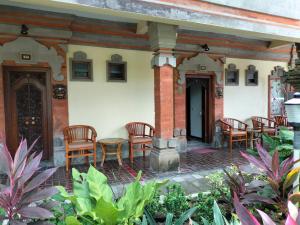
(194, 166)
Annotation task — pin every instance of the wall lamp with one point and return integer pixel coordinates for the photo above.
(205, 47)
(24, 29)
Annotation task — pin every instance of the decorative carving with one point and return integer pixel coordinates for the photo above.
(251, 76)
(79, 55)
(39, 53)
(219, 92)
(200, 63)
(116, 58)
(163, 59)
(231, 75)
(59, 91)
(278, 71)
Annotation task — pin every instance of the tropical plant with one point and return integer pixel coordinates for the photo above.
(22, 189)
(283, 143)
(175, 200)
(280, 176)
(219, 219)
(148, 219)
(93, 199)
(247, 218)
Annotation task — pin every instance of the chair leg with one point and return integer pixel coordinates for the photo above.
(87, 160)
(246, 141)
(131, 153)
(230, 144)
(144, 149)
(67, 162)
(95, 157)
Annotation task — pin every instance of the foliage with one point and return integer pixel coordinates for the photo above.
(175, 200)
(283, 143)
(218, 218)
(22, 190)
(148, 219)
(280, 177)
(93, 200)
(61, 209)
(247, 218)
(156, 206)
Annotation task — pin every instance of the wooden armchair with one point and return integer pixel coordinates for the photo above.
(265, 125)
(282, 121)
(235, 130)
(80, 141)
(139, 134)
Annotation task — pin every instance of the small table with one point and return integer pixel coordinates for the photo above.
(112, 141)
(254, 135)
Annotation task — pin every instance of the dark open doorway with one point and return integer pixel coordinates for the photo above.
(199, 108)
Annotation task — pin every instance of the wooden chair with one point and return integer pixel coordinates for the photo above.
(139, 134)
(235, 130)
(80, 141)
(282, 121)
(265, 125)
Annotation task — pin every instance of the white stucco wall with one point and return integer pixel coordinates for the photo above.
(242, 102)
(108, 106)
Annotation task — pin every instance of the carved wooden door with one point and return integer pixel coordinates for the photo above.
(27, 110)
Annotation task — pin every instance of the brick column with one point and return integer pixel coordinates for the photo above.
(164, 156)
(164, 109)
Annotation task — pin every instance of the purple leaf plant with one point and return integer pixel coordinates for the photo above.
(23, 188)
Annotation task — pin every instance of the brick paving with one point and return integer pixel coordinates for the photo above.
(191, 162)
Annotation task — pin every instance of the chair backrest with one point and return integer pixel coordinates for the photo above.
(139, 129)
(227, 123)
(281, 120)
(259, 122)
(79, 133)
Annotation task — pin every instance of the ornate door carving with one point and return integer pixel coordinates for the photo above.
(27, 110)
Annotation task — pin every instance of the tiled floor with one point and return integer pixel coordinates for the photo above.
(195, 160)
(192, 161)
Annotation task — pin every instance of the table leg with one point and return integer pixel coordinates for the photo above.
(103, 154)
(119, 154)
(251, 139)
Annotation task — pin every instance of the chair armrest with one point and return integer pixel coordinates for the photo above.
(227, 126)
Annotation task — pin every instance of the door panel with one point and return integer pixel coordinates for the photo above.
(196, 113)
(27, 110)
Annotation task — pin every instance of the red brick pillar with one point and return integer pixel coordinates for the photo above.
(164, 101)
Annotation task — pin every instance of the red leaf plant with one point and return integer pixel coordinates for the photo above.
(280, 176)
(22, 190)
(247, 218)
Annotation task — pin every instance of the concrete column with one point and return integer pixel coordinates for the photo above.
(164, 156)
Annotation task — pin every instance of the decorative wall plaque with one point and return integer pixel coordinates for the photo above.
(59, 91)
(231, 75)
(81, 68)
(251, 76)
(116, 69)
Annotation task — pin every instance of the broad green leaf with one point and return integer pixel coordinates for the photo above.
(98, 186)
(286, 135)
(72, 220)
(107, 212)
(290, 178)
(83, 205)
(295, 198)
(169, 219)
(205, 221)
(185, 216)
(218, 217)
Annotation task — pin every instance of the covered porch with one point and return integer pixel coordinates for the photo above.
(164, 60)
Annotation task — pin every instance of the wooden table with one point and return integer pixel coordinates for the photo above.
(253, 135)
(112, 141)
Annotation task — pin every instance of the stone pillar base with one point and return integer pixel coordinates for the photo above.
(162, 160)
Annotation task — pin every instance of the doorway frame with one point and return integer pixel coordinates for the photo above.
(6, 70)
(209, 101)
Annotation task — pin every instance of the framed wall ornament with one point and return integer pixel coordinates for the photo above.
(81, 68)
(116, 69)
(231, 75)
(251, 76)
